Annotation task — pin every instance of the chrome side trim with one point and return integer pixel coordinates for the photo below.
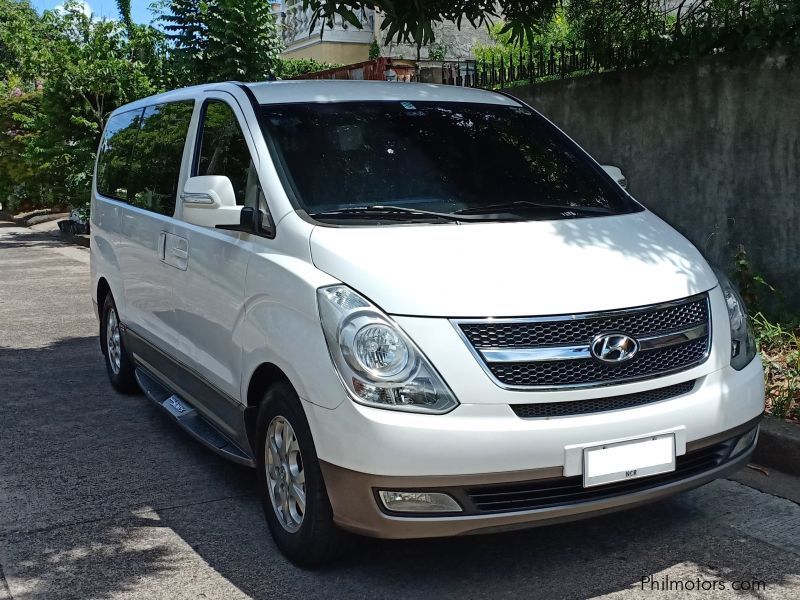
(670, 339)
(518, 355)
(547, 353)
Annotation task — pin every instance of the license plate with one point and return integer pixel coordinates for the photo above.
(632, 459)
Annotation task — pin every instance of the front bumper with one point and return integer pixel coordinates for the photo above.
(491, 438)
(501, 502)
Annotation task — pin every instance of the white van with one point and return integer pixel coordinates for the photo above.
(416, 310)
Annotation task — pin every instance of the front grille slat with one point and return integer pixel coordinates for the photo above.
(533, 495)
(576, 330)
(596, 405)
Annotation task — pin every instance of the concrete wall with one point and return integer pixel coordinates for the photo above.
(712, 146)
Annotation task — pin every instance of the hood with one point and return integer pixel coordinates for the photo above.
(514, 269)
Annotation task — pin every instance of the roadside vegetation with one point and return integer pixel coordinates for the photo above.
(614, 34)
(63, 72)
(777, 331)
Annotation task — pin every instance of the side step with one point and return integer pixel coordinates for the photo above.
(185, 415)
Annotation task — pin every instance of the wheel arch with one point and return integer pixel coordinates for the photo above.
(103, 290)
(265, 375)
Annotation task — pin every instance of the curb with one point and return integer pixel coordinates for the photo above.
(34, 217)
(778, 445)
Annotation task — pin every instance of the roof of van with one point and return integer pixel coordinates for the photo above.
(315, 90)
(323, 90)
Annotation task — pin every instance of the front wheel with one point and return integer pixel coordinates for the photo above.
(118, 364)
(290, 482)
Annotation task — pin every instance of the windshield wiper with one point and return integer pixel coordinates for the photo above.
(395, 212)
(523, 204)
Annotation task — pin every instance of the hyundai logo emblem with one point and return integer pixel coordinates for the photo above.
(614, 348)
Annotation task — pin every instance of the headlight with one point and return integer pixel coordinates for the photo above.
(378, 363)
(743, 345)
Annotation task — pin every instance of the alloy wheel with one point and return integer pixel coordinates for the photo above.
(285, 475)
(113, 344)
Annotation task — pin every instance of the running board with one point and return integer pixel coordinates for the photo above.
(185, 415)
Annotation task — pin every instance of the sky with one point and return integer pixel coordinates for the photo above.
(140, 11)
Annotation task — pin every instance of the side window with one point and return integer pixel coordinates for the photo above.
(223, 151)
(156, 162)
(113, 157)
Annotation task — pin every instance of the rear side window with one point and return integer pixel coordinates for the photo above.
(156, 161)
(223, 151)
(115, 152)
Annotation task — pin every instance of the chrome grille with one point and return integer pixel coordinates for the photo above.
(558, 332)
(554, 352)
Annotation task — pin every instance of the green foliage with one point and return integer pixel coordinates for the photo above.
(779, 345)
(186, 24)
(437, 51)
(411, 21)
(217, 40)
(555, 32)
(79, 70)
(18, 187)
(616, 34)
(751, 284)
(243, 40)
(374, 50)
(292, 67)
(21, 50)
(777, 337)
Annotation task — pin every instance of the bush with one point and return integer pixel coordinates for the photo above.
(292, 67)
(17, 187)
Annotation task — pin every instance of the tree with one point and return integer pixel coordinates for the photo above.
(214, 40)
(186, 24)
(243, 40)
(22, 43)
(18, 186)
(88, 73)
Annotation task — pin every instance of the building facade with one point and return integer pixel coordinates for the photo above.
(345, 44)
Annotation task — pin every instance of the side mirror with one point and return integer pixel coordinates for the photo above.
(616, 175)
(209, 200)
(248, 221)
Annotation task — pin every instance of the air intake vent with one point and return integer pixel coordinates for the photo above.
(596, 405)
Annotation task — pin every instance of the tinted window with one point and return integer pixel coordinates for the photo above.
(223, 151)
(119, 139)
(437, 156)
(156, 161)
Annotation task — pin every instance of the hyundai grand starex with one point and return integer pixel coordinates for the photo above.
(415, 310)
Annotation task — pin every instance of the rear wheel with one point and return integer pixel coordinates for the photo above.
(118, 364)
(290, 482)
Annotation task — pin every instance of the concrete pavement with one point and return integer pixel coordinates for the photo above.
(102, 497)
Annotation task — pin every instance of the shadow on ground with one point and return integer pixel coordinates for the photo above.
(103, 497)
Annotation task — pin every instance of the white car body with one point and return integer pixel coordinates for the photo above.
(214, 314)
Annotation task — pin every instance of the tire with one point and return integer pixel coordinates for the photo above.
(118, 363)
(315, 539)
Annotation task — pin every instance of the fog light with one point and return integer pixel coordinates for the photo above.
(419, 502)
(745, 441)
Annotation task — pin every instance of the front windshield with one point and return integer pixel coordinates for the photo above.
(483, 160)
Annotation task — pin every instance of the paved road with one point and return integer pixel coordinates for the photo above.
(102, 497)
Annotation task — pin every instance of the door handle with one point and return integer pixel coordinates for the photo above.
(180, 253)
(162, 245)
